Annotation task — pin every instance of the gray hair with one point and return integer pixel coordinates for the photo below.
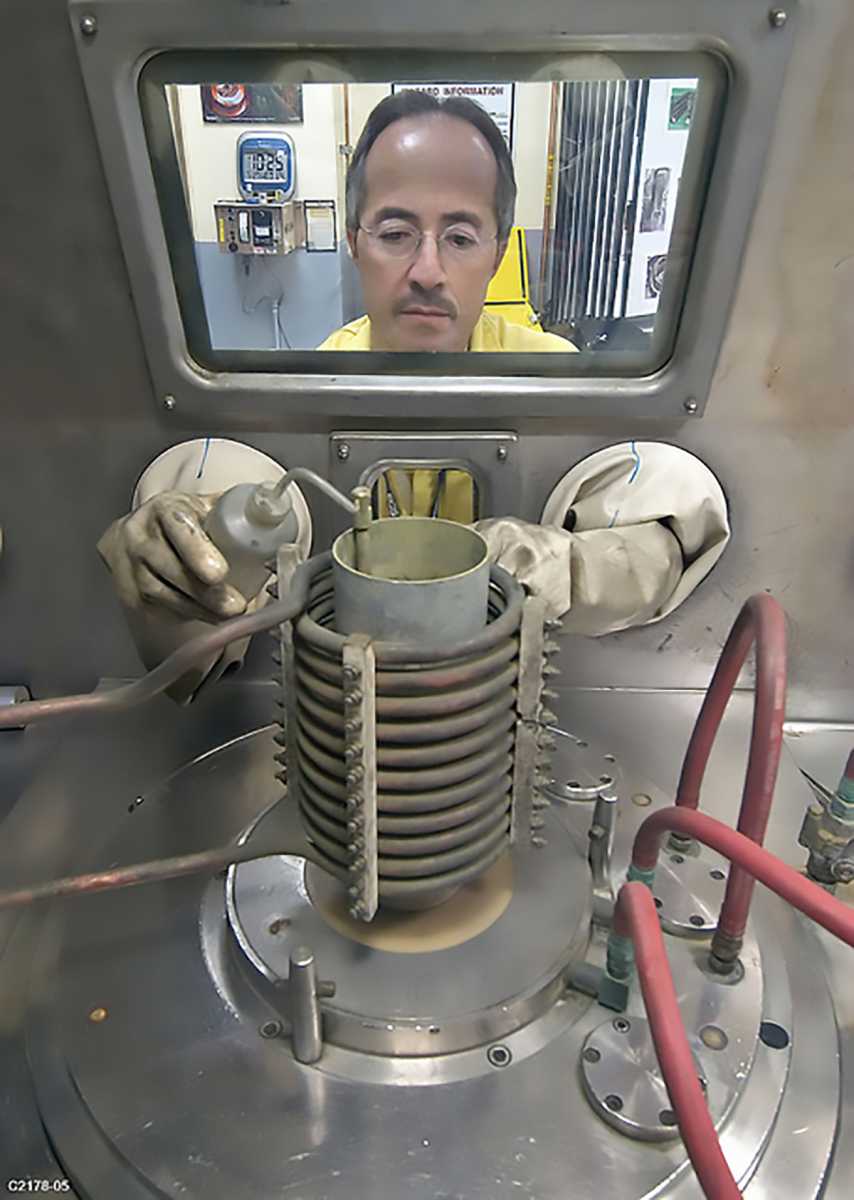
(414, 103)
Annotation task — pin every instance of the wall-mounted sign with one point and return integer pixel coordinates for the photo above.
(247, 103)
(496, 98)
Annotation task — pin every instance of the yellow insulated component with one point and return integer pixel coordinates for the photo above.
(509, 291)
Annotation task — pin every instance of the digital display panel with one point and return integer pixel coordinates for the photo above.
(265, 166)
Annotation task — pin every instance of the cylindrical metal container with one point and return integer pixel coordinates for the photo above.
(416, 579)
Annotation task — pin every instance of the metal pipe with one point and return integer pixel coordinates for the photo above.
(414, 822)
(391, 889)
(637, 918)
(172, 668)
(402, 683)
(433, 800)
(389, 653)
(306, 1027)
(762, 620)
(323, 485)
(430, 754)
(204, 862)
(457, 700)
(407, 733)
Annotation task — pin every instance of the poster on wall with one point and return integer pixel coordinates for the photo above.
(655, 268)
(250, 103)
(496, 98)
(681, 107)
(656, 184)
(320, 233)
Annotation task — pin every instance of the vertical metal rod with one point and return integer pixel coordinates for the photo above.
(306, 1031)
(601, 835)
(549, 203)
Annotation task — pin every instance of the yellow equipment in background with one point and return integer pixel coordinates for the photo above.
(509, 292)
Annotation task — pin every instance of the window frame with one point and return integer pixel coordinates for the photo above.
(132, 38)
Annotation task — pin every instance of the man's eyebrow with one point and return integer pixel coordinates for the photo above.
(391, 214)
(450, 218)
(464, 216)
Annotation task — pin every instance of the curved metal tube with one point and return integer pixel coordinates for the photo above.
(171, 668)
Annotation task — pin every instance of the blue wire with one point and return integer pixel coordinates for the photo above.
(204, 458)
(631, 479)
(637, 463)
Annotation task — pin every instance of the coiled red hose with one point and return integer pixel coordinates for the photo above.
(761, 620)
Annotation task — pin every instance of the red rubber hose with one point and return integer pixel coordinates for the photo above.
(636, 917)
(799, 891)
(761, 620)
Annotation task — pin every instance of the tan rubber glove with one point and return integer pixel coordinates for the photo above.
(169, 577)
(626, 536)
(160, 556)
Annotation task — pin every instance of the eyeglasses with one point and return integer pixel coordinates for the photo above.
(459, 243)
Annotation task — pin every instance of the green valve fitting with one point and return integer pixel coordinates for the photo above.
(842, 804)
(641, 875)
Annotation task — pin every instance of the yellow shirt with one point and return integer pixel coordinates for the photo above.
(446, 494)
(491, 333)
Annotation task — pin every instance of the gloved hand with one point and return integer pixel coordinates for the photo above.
(598, 581)
(626, 536)
(161, 557)
(169, 575)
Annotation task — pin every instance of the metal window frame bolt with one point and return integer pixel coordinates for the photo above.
(89, 25)
(342, 450)
(690, 405)
(169, 402)
(501, 453)
(777, 18)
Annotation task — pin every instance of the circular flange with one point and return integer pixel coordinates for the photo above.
(579, 769)
(623, 1082)
(387, 1002)
(688, 892)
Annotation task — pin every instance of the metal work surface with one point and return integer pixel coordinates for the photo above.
(154, 1060)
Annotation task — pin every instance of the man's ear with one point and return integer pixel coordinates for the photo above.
(351, 242)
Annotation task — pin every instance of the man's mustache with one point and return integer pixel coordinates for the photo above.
(443, 306)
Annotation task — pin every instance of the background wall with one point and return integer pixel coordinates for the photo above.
(79, 419)
(319, 292)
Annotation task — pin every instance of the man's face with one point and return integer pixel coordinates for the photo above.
(431, 173)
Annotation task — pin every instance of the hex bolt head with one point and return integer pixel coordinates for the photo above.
(690, 405)
(843, 870)
(501, 453)
(88, 25)
(169, 401)
(778, 18)
(343, 451)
